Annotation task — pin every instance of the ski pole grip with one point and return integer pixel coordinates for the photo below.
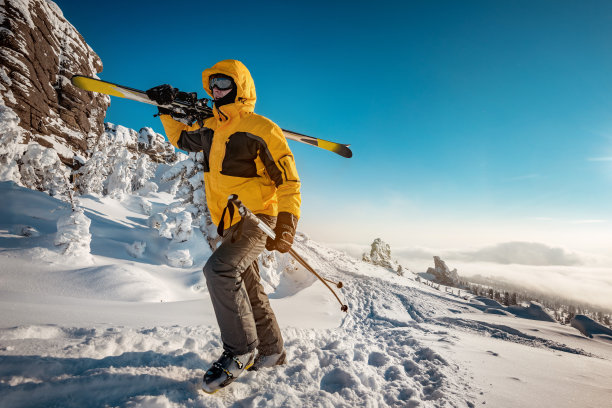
(246, 213)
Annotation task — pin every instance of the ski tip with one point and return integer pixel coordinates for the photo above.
(344, 151)
(338, 148)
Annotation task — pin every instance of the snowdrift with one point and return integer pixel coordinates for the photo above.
(590, 327)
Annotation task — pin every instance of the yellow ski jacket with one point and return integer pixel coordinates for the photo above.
(244, 153)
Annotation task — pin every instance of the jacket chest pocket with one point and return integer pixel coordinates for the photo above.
(240, 154)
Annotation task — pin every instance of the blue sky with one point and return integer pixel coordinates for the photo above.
(471, 123)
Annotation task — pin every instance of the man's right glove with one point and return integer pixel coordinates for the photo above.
(286, 224)
(162, 94)
(165, 95)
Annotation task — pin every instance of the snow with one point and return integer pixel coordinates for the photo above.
(123, 328)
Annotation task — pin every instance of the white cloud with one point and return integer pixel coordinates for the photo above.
(524, 253)
(524, 177)
(599, 159)
(588, 221)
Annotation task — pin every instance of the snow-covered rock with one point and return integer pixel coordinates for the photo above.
(380, 254)
(39, 53)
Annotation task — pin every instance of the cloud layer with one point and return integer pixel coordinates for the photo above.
(537, 266)
(523, 253)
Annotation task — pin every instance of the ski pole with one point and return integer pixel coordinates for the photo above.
(246, 213)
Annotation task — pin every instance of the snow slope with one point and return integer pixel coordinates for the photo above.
(113, 330)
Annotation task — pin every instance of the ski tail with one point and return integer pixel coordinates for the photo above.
(338, 148)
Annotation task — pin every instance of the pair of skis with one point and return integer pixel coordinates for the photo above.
(197, 108)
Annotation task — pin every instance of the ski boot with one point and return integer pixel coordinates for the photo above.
(272, 360)
(225, 370)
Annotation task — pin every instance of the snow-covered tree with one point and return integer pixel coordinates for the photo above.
(73, 237)
(400, 270)
(183, 229)
(190, 173)
(143, 171)
(90, 178)
(11, 147)
(41, 169)
(119, 181)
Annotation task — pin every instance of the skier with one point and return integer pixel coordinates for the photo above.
(244, 154)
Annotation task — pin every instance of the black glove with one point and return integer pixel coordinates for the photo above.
(162, 94)
(286, 224)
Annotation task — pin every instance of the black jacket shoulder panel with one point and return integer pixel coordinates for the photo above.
(196, 141)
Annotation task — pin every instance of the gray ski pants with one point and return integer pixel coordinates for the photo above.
(241, 306)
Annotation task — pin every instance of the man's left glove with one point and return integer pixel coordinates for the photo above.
(286, 224)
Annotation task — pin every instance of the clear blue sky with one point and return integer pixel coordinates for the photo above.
(471, 122)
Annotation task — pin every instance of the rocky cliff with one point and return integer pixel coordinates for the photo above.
(39, 52)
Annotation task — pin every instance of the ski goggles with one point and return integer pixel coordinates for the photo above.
(221, 83)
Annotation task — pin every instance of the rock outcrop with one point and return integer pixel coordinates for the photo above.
(39, 52)
(442, 274)
(380, 254)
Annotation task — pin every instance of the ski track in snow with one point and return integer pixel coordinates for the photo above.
(369, 361)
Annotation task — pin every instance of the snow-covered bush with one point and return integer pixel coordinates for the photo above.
(166, 228)
(41, 169)
(182, 230)
(24, 230)
(157, 220)
(73, 237)
(180, 258)
(11, 147)
(137, 249)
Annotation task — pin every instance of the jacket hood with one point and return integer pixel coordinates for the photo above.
(245, 85)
